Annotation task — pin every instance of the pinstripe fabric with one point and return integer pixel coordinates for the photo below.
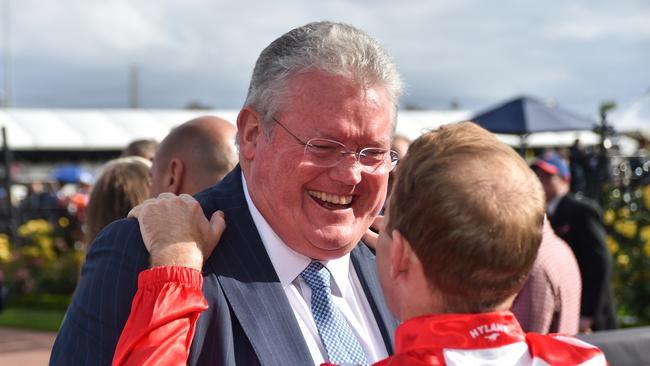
(102, 300)
(249, 322)
(248, 283)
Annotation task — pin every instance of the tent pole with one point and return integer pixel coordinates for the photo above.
(6, 181)
(604, 130)
(523, 145)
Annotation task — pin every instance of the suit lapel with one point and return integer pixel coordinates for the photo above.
(250, 282)
(364, 264)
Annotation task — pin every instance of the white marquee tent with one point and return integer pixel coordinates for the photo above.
(91, 129)
(112, 129)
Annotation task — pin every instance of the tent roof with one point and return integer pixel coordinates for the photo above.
(525, 115)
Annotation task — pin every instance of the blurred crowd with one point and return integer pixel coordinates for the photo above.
(593, 168)
(86, 200)
(56, 220)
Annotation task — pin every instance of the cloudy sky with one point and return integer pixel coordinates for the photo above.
(78, 53)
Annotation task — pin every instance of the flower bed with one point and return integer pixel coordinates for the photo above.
(44, 259)
(627, 216)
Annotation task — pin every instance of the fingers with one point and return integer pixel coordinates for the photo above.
(370, 238)
(378, 223)
(169, 220)
(137, 210)
(166, 195)
(187, 198)
(211, 233)
(372, 234)
(191, 203)
(218, 223)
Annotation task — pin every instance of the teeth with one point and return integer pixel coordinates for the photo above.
(331, 198)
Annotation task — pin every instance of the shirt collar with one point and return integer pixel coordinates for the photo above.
(288, 263)
(462, 331)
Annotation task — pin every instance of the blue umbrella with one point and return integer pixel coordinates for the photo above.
(525, 115)
(73, 174)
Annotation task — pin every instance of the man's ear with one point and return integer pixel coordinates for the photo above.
(176, 170)
(400, 254)
(249, 127)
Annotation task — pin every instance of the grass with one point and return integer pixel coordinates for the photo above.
(35, 319)
(39, 301)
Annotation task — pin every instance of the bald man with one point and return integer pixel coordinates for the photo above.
(194, 156)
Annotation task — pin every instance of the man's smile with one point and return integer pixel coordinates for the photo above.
(330, 200)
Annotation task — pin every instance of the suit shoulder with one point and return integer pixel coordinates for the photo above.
(120, 239)
(364, 250)
(225, 195)
(119, 232)
(208, 198)
(582, 203)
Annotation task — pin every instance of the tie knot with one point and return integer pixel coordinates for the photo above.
(316, 276)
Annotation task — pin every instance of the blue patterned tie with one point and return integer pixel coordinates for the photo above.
(341, 344)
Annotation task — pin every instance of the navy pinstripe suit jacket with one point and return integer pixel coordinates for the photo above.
(249, 322)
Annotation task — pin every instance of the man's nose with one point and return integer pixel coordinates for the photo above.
(348, 170)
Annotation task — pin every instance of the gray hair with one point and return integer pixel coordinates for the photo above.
(333, 48)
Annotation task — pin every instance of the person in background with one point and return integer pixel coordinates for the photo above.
(577, 220)
(122, 184)
(41, 202)
(451, 256)
(578, 165)
(144, 148)
(194, 156)
(549, 302)
(73, 198)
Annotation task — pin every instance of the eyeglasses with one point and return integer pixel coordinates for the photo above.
(327, 153)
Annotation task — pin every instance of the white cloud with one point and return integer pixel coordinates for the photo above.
(476, 52)
(85, 31)
(581, 23)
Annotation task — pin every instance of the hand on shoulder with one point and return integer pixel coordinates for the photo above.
(176, 232)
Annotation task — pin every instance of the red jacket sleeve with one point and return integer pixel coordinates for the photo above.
(163, 316)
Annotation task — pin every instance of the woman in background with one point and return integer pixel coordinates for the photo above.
(122, 185)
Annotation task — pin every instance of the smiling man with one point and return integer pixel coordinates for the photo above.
(289, 282)
(334, 194)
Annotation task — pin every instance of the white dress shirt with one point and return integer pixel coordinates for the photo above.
(347, 293)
